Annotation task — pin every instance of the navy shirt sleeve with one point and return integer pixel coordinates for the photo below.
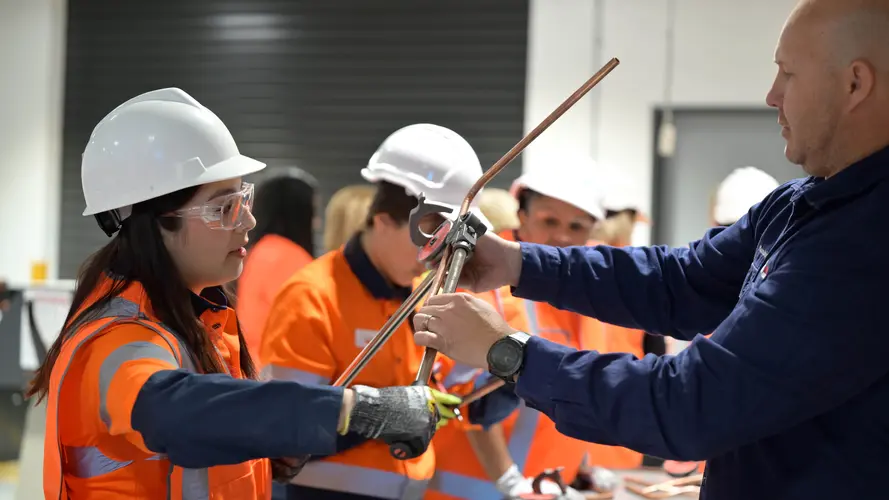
(678, 292)
(805, 338)
(204, 420)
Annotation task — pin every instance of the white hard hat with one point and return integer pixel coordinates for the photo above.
(155, 144)
(619, 193)
(743, 188)
(571, 179)
(431, 160)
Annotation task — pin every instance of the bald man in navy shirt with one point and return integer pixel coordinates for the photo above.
(789, 398)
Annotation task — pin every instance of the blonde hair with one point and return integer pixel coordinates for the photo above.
(346, 213)
(500, 208)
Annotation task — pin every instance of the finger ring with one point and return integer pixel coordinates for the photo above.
(426, 323)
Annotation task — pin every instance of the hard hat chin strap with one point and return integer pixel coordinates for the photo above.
(111, 221)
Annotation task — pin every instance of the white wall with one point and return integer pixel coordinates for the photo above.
(32, 42)
(723, 57)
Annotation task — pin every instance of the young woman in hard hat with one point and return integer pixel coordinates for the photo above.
(281, 243)
(150, 388)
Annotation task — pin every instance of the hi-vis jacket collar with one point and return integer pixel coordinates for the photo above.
(212, 299)
(368, 275)
(855, 179)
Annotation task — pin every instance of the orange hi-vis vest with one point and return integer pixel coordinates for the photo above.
(90, 449)
(321, 319)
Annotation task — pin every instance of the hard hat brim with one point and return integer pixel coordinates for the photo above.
(231, 168)
(374, 177)
(551, 190)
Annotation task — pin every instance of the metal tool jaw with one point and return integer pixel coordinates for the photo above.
(462, 233)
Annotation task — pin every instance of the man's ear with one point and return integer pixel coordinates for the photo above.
(860, 79)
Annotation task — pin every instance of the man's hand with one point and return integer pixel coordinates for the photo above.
(460, 326)
(495, 263)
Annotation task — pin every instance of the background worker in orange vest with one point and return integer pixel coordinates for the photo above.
(329, 310)
(557, 205)
(149, 385)
(281, 243)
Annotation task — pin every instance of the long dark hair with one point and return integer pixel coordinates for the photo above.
(286, 205)
(138, 254)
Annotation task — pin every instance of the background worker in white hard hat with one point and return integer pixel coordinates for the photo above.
(623, 210)
(558, 204)
(740, 190)
(149, 386)
(328, 311)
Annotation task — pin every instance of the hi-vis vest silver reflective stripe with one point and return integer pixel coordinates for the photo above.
(333, 476)
(520, 439)
(89, 461)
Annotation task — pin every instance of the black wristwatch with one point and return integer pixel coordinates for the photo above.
(506, 356)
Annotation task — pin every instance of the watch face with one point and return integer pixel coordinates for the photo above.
(506, 357)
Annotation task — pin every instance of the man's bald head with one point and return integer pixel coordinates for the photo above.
(832, 87)
(858, 29)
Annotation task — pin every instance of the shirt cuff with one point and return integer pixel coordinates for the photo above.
(540, 271)
(540, 371)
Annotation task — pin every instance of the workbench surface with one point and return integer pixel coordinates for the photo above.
(652, 474)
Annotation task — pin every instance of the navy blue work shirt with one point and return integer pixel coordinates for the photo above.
(789, 398)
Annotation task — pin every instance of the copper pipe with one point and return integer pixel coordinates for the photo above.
(539, 129)
(444, 264)
(482, 391)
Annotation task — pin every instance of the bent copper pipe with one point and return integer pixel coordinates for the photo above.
(453, 271)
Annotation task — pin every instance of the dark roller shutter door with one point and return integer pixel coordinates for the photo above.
(318, 84)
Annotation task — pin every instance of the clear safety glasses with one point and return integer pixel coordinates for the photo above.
(228, 212)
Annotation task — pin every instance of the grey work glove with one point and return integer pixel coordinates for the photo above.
(406, 418)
